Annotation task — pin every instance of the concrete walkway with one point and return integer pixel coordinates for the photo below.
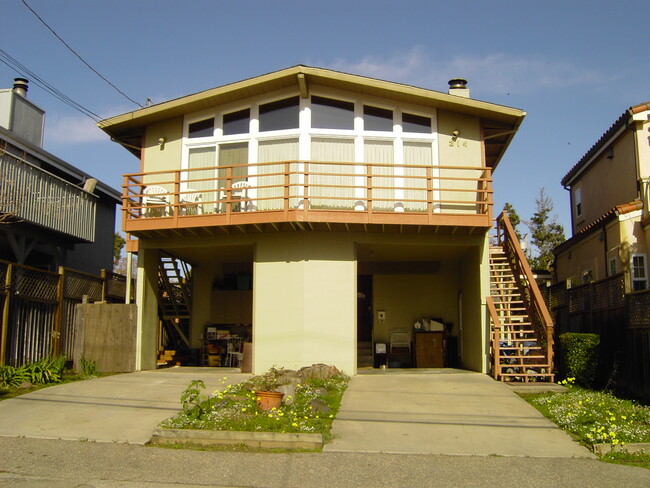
(444, 411)
(120, 408)
(399, 411)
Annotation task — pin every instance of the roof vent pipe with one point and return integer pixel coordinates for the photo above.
(458, 87)
(21, 87)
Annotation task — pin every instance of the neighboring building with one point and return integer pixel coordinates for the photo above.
(52, 213)
(610, 193)
(318, 210)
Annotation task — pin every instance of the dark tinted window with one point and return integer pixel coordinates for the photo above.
(236, 122)
(203, 128)
(282, 114)
(416, 123)
(327, 113)
(377, 118)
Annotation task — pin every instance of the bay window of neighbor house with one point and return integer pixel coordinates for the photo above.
(639, 272)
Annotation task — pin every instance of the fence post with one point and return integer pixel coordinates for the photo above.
(102, 274)
(5, 315)
(56, 334)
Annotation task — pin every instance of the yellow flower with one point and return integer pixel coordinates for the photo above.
(294, 424)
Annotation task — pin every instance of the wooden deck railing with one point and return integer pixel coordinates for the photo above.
(31, 194)
(533, 300)
(309, 186)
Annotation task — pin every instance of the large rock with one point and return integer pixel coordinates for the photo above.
(318, 371)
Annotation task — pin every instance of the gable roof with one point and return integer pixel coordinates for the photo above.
(502, 122)
(609, 135)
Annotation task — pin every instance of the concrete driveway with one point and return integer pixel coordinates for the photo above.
(444, 411)
(399, 411)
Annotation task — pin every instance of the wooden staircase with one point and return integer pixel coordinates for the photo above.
(520, 352)
(365, 358)
(522, 327)
(174, 299)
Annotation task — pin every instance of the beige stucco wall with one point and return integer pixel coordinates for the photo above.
(166, 157)
(607, 182)
(465, 150)
(304, 302)
(475, 286)
(407, 298)
(147, 313)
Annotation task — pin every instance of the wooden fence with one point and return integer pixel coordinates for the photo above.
(621, 320)
(38, 309)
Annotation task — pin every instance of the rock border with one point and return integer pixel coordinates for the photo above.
(630, 447)
(262, 440)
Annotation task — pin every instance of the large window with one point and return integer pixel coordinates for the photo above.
(236, 122)
(203, 128)
(327, 113)
(282, 114)
(639, 272)
(416, 123)
(377, 119)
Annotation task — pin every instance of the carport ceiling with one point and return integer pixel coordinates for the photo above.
(408, 252)
(221, 254)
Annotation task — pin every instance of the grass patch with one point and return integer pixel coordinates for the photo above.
(227, 448)
(595, 417)
(640, 459)
(310, 409)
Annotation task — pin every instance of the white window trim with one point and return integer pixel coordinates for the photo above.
(645, 270)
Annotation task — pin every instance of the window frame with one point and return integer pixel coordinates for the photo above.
(634, 279)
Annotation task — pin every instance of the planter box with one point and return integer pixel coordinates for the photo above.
(265, 440)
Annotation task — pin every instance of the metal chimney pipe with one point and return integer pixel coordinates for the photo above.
(21, 86)
(458, 86)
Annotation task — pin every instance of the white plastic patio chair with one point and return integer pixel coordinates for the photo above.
(154, 199)
(192, 202)
(240, 192)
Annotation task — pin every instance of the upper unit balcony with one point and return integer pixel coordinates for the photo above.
(308, 195)
(31, 195)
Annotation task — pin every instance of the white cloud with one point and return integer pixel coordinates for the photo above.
(72, 129)
(493, 73)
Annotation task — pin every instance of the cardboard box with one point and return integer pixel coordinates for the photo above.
(214, 360)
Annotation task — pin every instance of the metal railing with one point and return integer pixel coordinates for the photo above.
(309, 186)
(31, 194)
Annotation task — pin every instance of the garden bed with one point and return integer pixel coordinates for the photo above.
(312, 397)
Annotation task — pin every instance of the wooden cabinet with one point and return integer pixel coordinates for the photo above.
(429, 349)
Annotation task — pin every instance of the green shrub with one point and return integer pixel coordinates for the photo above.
(89, 368)
(41, 372)
(11, 377)
(578, 357)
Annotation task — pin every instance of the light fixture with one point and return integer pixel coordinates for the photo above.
(161, 142)
(454, 135)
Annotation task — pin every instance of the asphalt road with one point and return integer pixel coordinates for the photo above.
(57, 463)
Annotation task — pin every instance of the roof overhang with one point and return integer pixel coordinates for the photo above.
(503, 122)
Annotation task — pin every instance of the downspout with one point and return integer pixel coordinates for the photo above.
(603, 233)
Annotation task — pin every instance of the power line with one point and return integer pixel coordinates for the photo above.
(78, 56)
(22, 70)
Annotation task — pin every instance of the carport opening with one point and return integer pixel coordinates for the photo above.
(206, 309)
(408, 306)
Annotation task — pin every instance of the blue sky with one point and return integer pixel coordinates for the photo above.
(573, 66)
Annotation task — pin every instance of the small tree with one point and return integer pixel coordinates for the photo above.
(514, 218)
(118, 244)
(546, 233)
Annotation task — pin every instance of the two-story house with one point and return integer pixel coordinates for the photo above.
(320, 209)
(610, 193)
(52, 213)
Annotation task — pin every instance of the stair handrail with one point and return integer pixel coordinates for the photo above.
(508, 240)
(496, 336)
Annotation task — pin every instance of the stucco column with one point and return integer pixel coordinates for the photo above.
(304, 302)
(147, 288)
